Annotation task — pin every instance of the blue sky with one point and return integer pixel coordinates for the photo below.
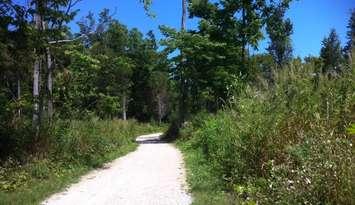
(312, 19)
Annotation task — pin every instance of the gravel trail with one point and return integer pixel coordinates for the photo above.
(152, 175)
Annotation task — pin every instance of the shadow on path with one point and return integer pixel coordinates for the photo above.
(151, 139)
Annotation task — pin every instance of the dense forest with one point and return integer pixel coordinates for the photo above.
(254, 127)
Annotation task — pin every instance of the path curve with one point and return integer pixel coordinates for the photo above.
(154, 174)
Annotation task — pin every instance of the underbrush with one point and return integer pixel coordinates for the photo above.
(63, 153)
(289, 143)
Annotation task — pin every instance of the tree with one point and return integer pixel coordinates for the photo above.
(331, 53)
(350, 46)
(184, 14)
(214, 55)
(114, 80)
(146, 58)
(207, 68)
(127, 62)
(159, 84)
(49, 17)
(279, 31)
(15, 54)
(236, 22)
(95, 30)
(116, 42)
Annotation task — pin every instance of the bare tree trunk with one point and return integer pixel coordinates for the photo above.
(160, 108)
(19, 95)
(184, 14)
(49, 85)
(36, 83)
(36, 77)
(124, 110)
(244, 43)
(183, 82)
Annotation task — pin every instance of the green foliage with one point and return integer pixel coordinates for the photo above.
(214, 55)
(351, 129)
(331, 53)
(112, 72)
(350, 45)
(69, 150)
(285, 144)
(148, 61)
(206, 68)
(279, 31)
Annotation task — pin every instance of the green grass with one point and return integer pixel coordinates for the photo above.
(206, 187)
(289, 144)
(69, 153)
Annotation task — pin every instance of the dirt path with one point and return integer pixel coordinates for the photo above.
(151, 175)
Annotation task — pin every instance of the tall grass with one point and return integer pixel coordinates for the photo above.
(285, 143)
(64, 153)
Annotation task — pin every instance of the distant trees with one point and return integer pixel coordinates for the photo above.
(331, 53)
(15, 60)
(279, 31)
(49, 18)
(112, 71)
(350, 46)
(336, 59)
(46, 72)
(159, 84)
(126, 63)
(218, 52)
(147, 61)
(30, 34)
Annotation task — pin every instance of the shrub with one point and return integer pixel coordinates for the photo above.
(284, 144)
(66, 147)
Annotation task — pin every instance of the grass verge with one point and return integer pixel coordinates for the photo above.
(69, 152)
(205, 186)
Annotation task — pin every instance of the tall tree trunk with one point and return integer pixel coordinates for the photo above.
(36, 76)
(184, 15)
(183, 82)
(18, 95)
(124, 110)
(244, 25)
(49, 85)
(36, 84)
(160, 107)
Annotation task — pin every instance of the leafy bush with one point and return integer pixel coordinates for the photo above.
(64, 152)
(283, 144)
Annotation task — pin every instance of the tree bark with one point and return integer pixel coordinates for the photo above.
(36, 76)
(19, 95)
(49, 85)
(244, 37)
(184, 15)
(36, 83)
(160, 108)
(183, 82)
(124, 111)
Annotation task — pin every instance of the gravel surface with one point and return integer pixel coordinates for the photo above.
(152, 175)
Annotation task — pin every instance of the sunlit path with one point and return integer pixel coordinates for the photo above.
(152, 175)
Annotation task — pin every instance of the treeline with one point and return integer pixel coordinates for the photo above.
(113, 72)
(224, 47)
(269, 113)
(49, 73)
(70, 102)
(265, 128)
(287, 143)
